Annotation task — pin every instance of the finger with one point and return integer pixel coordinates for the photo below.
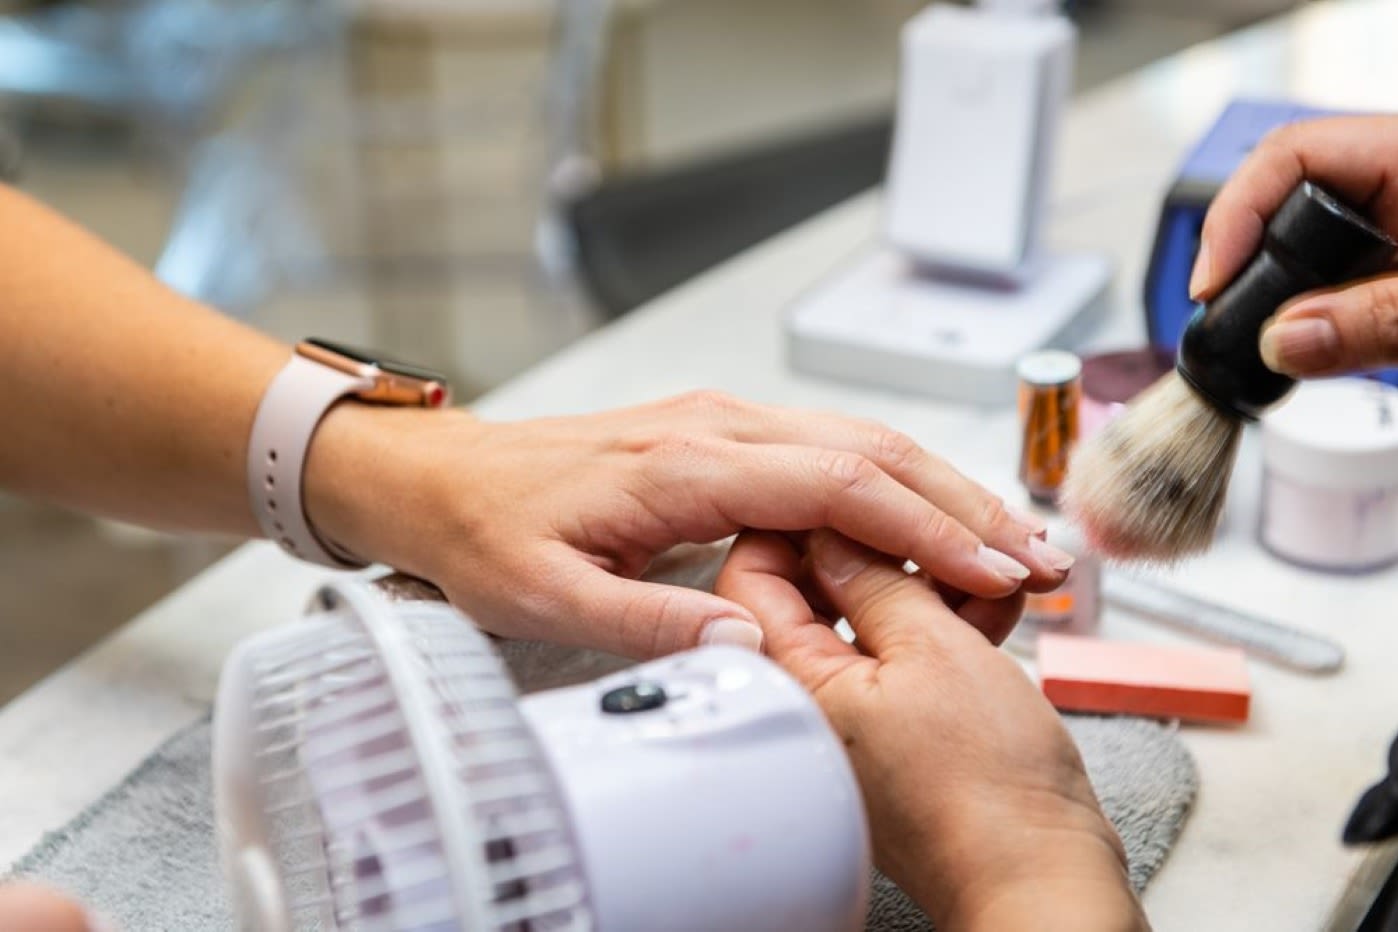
(28, 908)
(1011, 531)
(1351, 156)
(888, 609)
(1015, 533)
(1332, 332)
(644, 620)
(789, 488)
(761, 574)
(995, 618)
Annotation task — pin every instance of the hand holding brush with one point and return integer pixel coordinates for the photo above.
(1285, 265)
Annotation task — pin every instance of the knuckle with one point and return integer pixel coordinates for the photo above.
(1383, 313)
(933, 524)
(1278, 139)
(849, 472)
(991, 513)
(650, 620)
(886, 589)
(895, 449)
(708, 400)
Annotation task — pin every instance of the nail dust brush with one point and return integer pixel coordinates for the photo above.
(1150, 486)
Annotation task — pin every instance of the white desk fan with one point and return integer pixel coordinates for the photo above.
(374, 769)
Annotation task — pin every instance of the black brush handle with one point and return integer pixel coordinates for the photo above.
(1314, 241)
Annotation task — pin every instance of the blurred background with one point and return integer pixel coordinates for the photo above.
(469, 184)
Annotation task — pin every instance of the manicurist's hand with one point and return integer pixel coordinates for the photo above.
(979, 805)
(539, 529)
(1326, 332)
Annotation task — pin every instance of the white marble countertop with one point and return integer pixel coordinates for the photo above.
(1261, 849)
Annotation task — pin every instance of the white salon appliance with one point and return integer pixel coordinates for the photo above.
(961, 288)
(374, 769)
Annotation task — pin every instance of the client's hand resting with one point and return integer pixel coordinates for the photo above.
(1325, 332)
(979, 805)
(539, 529)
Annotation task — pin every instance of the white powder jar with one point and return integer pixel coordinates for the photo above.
(1330, 476)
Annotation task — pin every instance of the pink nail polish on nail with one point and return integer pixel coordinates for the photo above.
(840, 563)
(1002, 564)
(733, 632)
(1055, 557)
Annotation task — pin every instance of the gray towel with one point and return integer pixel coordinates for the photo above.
(144, 853)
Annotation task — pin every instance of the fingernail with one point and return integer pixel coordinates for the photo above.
(840, 563)
(1310, 344)
(1202, 274)
(732, 632)
(1055, 557)
(1001, 564)
(96, 923)
(1027, 519)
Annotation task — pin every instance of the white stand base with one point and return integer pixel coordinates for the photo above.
(883, 322)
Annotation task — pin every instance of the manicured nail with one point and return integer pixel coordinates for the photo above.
(96, 923)
(732, 632)
(840, 562)
(1002, 564)
(1055, 557)
(1027, 520)
(1298, 347)
(1202, 275)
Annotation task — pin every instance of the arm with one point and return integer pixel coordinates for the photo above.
(119, 396)
(1326, 332)
(978, 802)
(124, 399)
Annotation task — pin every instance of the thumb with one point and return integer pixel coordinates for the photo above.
(886, 607)
(644, 619)
(1334, 332)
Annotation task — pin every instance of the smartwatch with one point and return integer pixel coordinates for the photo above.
(319, 374)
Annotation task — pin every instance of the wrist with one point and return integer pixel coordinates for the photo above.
(365, 477)
(1073, 883)
(1046, 863)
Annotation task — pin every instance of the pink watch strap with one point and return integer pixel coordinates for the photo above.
(281, 434)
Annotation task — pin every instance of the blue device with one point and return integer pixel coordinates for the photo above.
(1234, 134)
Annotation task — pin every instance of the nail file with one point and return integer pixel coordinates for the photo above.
(1265, 640)
(1202, 684)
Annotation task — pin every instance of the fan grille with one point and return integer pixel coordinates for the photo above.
(351, 817)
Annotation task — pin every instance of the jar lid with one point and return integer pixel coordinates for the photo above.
(1117, 378)
(1338, 434)
(1049, 368)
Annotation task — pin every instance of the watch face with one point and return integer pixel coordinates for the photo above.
(374, 358)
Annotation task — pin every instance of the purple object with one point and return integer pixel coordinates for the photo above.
(1237, 132)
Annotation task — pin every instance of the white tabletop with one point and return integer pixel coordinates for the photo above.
(1261, 848)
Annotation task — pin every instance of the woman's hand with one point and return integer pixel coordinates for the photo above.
(540, 529)
(1325, 332)
(979, 805)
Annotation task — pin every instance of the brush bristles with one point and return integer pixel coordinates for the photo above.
(1151, 485)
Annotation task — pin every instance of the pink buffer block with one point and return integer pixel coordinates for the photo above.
(1081, 674)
